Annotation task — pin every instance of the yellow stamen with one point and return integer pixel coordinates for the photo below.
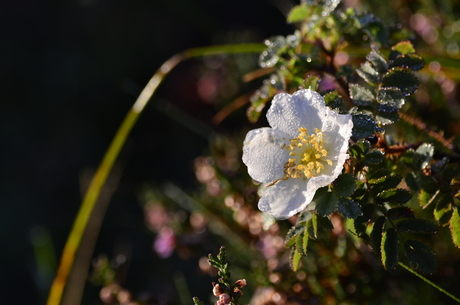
(309, 155)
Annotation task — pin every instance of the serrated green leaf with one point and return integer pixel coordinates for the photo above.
(363, 126)
(394, 195)
(324, 223)
(376, 235)
(312, 227)
(375, 156)
(344, 185)
(378, 32)
(421, 226)
(377, 61)
(455, 227)
(386, 118)
(389, 249)
(292, 234)
(384, 183)
(420, 255)
(401, 48)
(333, 99)
(311, 82)
(401, 78)
(361, 222)
(326, 204)
(298, 13)
(294, 259)
(305, 241)
(299, 242)
(377, 174)
(360, 95)
(400, 212)
(411, 61)
(390, 97)
(369, 74)
(425, 198)
(348, 208)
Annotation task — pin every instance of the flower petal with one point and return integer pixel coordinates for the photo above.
(263, 154)
(305, 108)
(286, 198)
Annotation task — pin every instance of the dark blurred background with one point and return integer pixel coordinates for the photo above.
(69, 72)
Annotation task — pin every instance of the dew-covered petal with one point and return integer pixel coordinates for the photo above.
(337, 132)
(263, 154)
(286, 198)
(304, 108)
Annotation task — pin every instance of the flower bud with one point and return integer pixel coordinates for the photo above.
(217, 290)
(238, 292)
(240, 283)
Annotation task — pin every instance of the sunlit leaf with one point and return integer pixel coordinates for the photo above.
(360, 95)
(298, 13)
(389, 249)
(455, 227)
(401, 48)
(376, 235)
(362, 221)
(377, 61)
(294, 259)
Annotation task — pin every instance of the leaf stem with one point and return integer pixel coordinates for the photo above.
(429, 282)
(105, 167)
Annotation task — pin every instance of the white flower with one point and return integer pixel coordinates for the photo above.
(304, 150)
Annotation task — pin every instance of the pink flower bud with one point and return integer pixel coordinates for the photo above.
(240, 283)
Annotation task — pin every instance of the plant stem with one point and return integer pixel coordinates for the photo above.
(111, 155)
(429, 282)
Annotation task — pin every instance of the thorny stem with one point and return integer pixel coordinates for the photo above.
(111, 155)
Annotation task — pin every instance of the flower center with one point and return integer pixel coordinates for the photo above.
(308, 155)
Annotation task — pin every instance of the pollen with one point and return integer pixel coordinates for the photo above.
(308, 155)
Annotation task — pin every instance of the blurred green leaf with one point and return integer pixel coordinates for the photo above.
(298, 13)
(401, 78)
(394, 195)
(326, 204)
(344, 185)
(275, 46)
(348, 208)
(311, 82)
(401, 48)
(389, 248)
(422, 226)
(420, 255)
(455, 227)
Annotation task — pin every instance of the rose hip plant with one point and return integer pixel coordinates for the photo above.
(349, 192)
